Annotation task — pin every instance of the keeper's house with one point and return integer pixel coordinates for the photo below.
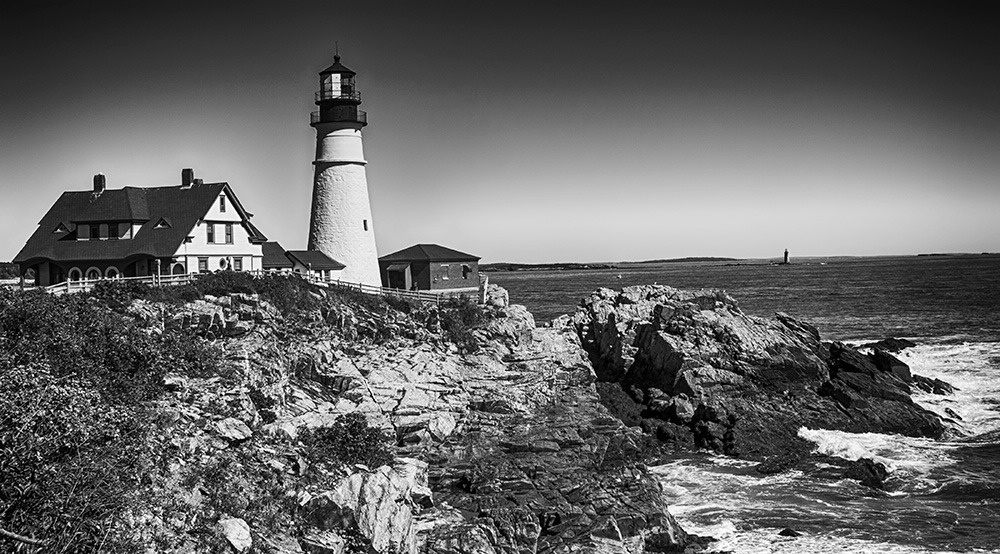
(430, 267)
(193, 227)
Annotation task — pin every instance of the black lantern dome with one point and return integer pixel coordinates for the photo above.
(338, 98)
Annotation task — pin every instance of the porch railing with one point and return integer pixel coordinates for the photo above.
(84, 285)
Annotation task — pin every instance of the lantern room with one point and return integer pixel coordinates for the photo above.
(337, 97)
(337, 83)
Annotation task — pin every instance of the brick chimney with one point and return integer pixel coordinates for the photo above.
(100, 183)
(187, 177)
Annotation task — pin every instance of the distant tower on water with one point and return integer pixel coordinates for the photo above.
(786, 256)
(341, 223)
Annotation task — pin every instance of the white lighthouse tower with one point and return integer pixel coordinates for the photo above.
(341, 223)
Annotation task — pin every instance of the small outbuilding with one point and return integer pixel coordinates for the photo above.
(430, 267)
(315, 263)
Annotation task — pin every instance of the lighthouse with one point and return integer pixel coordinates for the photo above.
(341, 223)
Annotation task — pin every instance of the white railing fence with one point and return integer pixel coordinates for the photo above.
(436, 297)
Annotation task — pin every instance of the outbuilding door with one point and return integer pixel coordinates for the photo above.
(398, 276)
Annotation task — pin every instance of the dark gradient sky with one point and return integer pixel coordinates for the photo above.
(531, 131)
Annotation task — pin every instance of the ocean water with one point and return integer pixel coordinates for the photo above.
(944, 496)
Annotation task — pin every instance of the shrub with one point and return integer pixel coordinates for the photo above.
(459, 317)
(74, 378)
(9, 270)
(117, 295)
(347, 442)
(69, 462)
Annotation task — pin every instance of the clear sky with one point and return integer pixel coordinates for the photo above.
(530, 131)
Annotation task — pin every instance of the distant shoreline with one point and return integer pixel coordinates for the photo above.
(580, 266)
(564, 266)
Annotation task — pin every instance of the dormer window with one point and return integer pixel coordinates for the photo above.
(112, 231)
(162, 224)
(60, 229)
(95, 231)
(222, 203)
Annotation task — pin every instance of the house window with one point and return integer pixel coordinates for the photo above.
(112, 231)
(203, 265)
(229, 233)
(237, 264)
(365, 222)
(210, 230)
(95, 232)
(466, 271)
(444, 271)
(222, 203)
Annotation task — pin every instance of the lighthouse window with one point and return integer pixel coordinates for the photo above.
(365, 224)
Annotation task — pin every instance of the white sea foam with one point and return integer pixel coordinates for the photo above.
(973, 368)
(896, 452)
(727, 500)
(761, 541)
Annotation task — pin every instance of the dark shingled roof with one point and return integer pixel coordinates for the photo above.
(428, 252)
(182, 207)
(274, 256)
(337, 67)
(314, 259)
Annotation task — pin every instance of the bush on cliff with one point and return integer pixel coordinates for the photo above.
(9, 270)
(347, 442)
(459, 318)
(287, 293)
(74, 378)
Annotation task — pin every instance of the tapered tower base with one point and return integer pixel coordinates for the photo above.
(341, 223)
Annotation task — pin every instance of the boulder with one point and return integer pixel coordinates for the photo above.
(378, 503)
(888, 363)
(846, 359)
(868, 472)
(322, 542)
(237, 532)
(933, 386)
(497, 297)
(890, 344)
(233, 429)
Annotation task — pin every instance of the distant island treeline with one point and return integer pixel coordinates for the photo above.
(564, 266)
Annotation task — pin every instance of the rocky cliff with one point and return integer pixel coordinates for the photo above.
(287, 418)
(504, 449)
(699, 373)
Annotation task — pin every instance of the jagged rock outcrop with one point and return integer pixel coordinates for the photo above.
(752, 382)
(504, 450)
